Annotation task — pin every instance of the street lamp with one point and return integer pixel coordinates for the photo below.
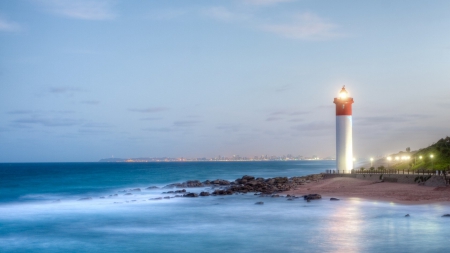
(389, 161)
(371, 162)
(432, 165)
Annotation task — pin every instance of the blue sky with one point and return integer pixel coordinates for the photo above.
(86, 80)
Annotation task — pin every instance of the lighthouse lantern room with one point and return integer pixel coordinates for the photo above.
(344, 146)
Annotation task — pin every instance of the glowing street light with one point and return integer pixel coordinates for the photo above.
(389, 161)
(371, 162)
(432, 165)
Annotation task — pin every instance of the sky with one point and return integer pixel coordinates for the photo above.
(86, 80)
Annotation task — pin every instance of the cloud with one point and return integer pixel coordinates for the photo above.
(21, 112)
(229, 128)
(90, 102)
(166, 14)
(149, 110)
(284, 88)
(223, 14)
(61, 90)
(152, 118)
(159, 129)
(53, 122)
(273, 118)
(266, 2)
(314, 126)
(387, 120)
(8, 26)
(80, 9)
(185, 123)
(305, 26)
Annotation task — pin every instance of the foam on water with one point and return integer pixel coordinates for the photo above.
(217, 223)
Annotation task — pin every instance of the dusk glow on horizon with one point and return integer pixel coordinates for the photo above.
(86, 80)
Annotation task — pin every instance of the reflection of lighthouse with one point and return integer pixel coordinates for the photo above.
(344, 146)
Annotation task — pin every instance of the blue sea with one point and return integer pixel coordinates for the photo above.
(41, 211)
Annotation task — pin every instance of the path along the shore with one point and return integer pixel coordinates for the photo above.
(344, 187)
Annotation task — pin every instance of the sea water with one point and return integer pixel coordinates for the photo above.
(41, 211)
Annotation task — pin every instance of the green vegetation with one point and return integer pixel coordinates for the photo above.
(434, 157)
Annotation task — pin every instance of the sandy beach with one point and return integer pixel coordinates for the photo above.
(342, 187)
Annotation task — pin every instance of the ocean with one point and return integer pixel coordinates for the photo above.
(41, 211)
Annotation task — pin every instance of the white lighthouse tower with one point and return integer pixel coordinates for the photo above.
(344, 142)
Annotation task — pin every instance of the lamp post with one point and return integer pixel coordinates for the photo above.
(389, 162)
(371, 162)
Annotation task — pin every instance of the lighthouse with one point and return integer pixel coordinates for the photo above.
(344, 142)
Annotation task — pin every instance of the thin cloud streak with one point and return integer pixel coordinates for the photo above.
(149, 110)
(305, 26)
(266, 2)
(81, 9)
(64, 89)
(8, 26)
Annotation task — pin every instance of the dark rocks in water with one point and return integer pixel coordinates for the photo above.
(82, 199)
(220, 182)
(204, 194)
(177, 196)
(259, 203)
(190, 195)
(275, 196)
(152, 187)
(159, 198)
(222, 192)
(290, 199)
(446, 215)
(128, 193)
(334, 199)
(102, 197)
(167, 197)
(312, 196)
(407, 215)
(180, 191)
(115, 195)
(136, 190)
(194, 183)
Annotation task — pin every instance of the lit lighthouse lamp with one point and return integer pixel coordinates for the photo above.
(344, 146)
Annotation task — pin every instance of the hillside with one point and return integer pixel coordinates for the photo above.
(419, 159)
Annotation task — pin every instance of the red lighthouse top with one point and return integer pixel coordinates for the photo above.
(343, 103)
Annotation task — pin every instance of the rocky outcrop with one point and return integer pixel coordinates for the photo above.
(190, 195)
(204, 194)
(334, 199)
(248, 183)
(312, 196)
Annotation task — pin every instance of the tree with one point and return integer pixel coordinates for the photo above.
(408, 149)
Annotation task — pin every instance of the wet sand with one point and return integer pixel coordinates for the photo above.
(345, 188)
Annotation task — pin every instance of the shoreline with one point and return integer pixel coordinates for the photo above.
(352, 188)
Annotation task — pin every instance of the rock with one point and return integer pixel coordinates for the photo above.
(152, 187)
(102, 197)
(334, 199)
(180, 191)
(259, 203)
(155, 198)
(407, 215)
(83, 199)
(290, 199)
(446, 215)
(194, 183)
(128, 193)
(191, 195)
(136, 190)
(204, 193)
(167, 197)
(312, 196)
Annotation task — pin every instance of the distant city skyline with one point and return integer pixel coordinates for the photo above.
(88, 79)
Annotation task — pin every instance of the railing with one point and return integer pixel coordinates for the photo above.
(443, 173)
